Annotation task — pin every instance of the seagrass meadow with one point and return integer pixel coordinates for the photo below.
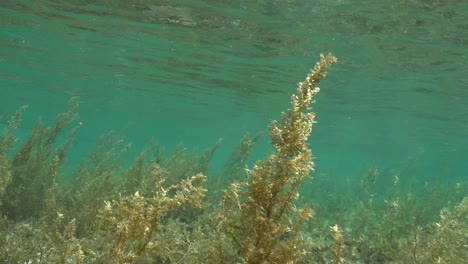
(145, 131)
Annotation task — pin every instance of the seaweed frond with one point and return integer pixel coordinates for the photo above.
(7, 140)
(260, 216)
(33, 162)
(339, 244)
(130, 222)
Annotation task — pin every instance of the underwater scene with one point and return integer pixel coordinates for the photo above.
(236, 131)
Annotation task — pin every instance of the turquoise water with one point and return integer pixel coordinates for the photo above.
(192, 72)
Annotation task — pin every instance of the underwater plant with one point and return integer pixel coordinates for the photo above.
(35, 163)
(260, 215)
(131, 222)
(7, 140)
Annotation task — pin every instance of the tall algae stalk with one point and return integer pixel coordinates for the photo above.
(260, 215)
(7, 140)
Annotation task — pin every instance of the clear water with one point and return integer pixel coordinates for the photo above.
(192, 72)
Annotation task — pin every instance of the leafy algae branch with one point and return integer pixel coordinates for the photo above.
(260, 215)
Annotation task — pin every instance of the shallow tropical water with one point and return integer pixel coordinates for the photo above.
(192, 72)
